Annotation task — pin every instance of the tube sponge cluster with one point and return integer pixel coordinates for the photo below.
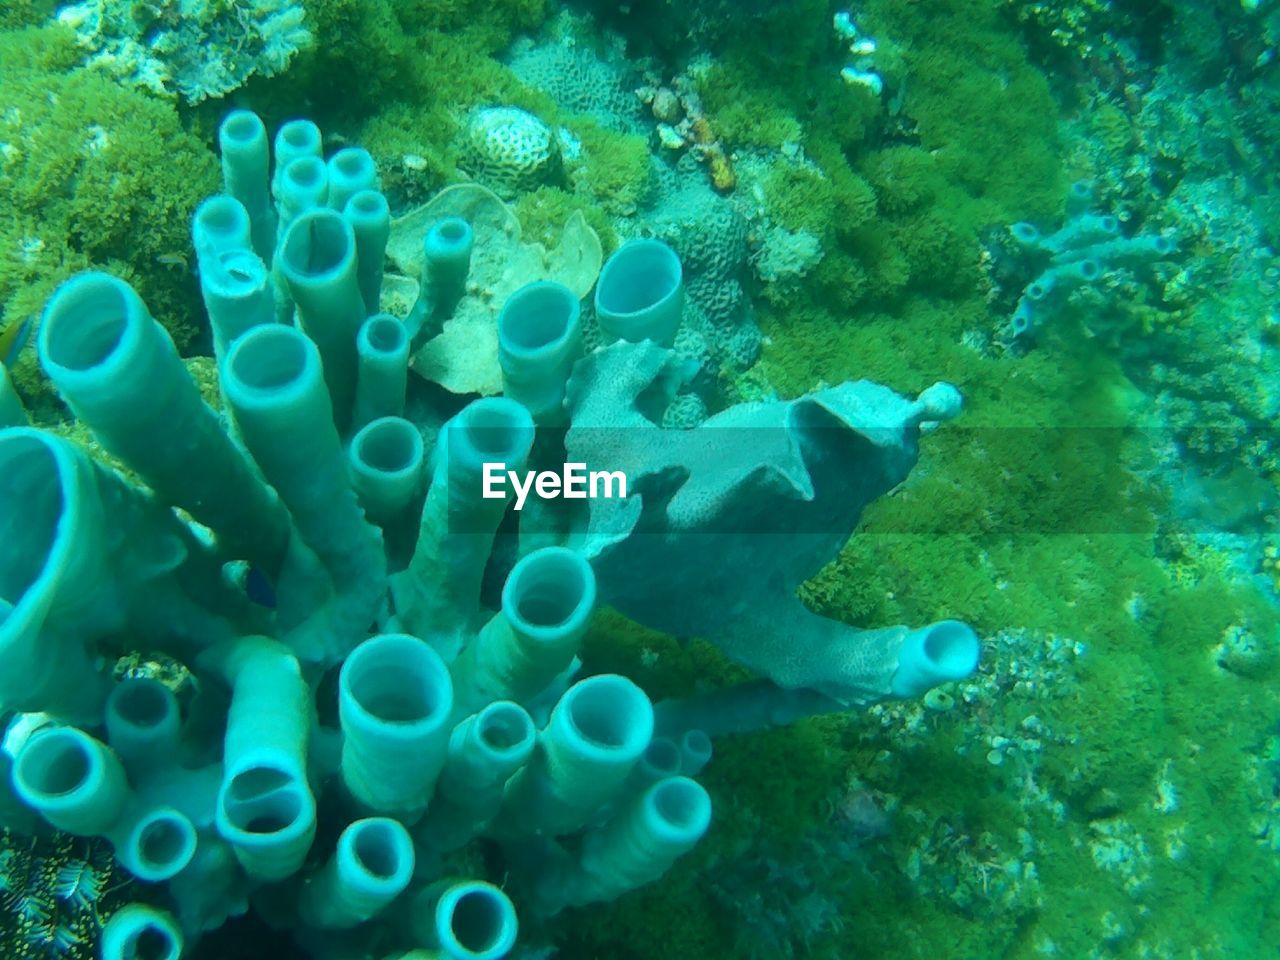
(365, 733)
(1079, 253)
(282, 577)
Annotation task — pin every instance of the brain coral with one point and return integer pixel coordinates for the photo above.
(509, 150)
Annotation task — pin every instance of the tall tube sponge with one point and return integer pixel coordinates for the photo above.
(86, 556)
(274, 386)
(382, 349)
(640, 293)
(395, 699)
(539, 340)
(317, 262)
(547, 602)
(265, 810)
(386, 458)
(370, 218)
(119, 372)
(596, 734)
(484, 751)
(371, 866)
(446, 252)
(246, 163)
(437, 597)
(636, 847)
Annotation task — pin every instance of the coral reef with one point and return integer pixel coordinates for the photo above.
(195, 50)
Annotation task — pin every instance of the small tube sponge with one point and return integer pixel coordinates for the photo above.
(941, 652)
(246, 163)
(265, 809)
(302, 185)
(395, 699)
(142, 725)
(351, 170)
(484, 751)
(597, 732)
(370, 219)
(141, 932)
(294, 140)
(695, 752)
(446, 251)
(220, 224)
(382, 349)
(637, 846)
(466, 920)
(72, 780)
(539, 340)
(238, 295)
(156, 845)
(547, 602)
(386, 461)
(317, 262)
(371, 867)
(640, 293)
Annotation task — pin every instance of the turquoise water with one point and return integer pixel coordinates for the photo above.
(746, 480)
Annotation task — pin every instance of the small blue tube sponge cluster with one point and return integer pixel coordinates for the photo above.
(1077, 254)
(271, 558)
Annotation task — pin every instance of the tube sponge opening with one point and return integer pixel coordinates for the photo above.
(640, 293)
(607, 716)
(505, 729)
(159, 846)
(549, 593)
(318, 244)
(490, 430)
(141, 932)
(269, 364)
(943, 651)
(475, 921)
(86, 323)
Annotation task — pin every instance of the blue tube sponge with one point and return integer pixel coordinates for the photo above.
(119, 372)
(639, 845)
(386, 460)
(438, 595)
(370, 219)
(596, 734)
(371, 867)
(351, 170)
(382, 348)
(395, 699)
(941, 652)
(317, 261)
(142, 725)
(274, 385)
(464, 920)
(265, 809)
(72, 780)
(140, 930)
(640, 293)
(539, 340)
(547, 602)
(220, 224)
(485, 750)
(302, 185)
(246, 162)
(238, 295)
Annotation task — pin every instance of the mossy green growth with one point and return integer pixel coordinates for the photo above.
(93, 174)
(542, 214)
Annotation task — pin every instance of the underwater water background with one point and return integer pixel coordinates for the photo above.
(1067, 210)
